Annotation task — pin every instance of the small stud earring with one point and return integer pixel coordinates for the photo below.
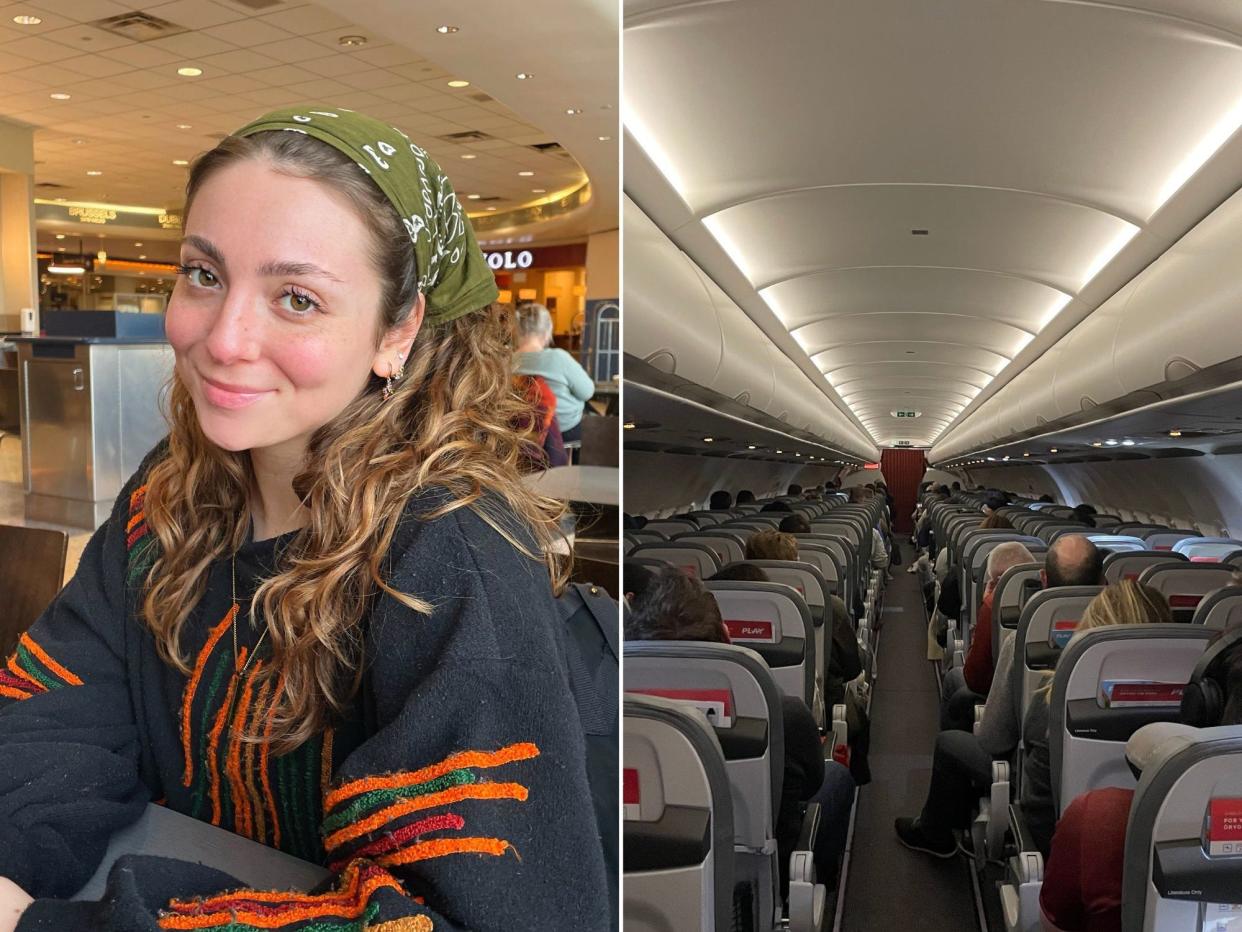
(400, 366)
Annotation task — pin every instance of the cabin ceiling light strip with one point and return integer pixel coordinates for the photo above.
(647, 142)
(1208, 146)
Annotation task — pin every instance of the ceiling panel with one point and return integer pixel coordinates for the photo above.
(918, 190)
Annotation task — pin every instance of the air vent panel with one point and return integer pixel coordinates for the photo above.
(138, 26)
(472, 135)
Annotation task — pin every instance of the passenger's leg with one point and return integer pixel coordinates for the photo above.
(835, 798)
(961, 769)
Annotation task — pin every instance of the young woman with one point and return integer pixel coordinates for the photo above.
(322, 613)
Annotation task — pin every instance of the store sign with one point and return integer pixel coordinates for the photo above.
(510, 259)
(105, 215)
(906, 413)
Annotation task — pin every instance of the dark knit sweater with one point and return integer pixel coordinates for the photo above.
(454, 797)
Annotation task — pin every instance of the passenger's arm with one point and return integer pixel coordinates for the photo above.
(978, 666)
(1061, 895)
(804, 754)
(844, 660)
(68, 737)
(1000, 730)
(580, 384)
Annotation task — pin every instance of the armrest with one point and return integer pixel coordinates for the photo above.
(979, 710)
(1020, 892)
(840, 735)
(999, 805)
(807, 899)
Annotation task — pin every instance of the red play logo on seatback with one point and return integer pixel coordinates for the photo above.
(751, 630)
(1224, 827)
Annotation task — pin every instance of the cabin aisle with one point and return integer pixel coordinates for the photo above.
(889, 886)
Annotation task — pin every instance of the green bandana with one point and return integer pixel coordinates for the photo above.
(452, 272)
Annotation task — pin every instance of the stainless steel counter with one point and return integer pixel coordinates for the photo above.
(89, 413)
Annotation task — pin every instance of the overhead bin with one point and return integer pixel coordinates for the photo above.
(1175, 318)
(682, 323)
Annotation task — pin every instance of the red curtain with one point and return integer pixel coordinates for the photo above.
(903, 471)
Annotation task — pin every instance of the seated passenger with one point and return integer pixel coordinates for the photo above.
(1123, 603)
(326, 586)
(776, 506)
(949, 601)
(745, 497)
(964, 686)
(721, 500)
(536, 356)
(740, 572)
(1083, 873)
(794, 489)
(795, 524)
(1086, 514)
(676, 607)
(962, 761)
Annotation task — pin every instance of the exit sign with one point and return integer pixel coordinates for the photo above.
(906, 413)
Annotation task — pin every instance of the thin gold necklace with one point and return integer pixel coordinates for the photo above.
(237, 611)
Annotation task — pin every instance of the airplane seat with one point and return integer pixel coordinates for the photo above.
(1015, 586)
(697, 560)
(707, 519)
(776, 624)
(1234, 559)
(1181, 853)
(1207, 549)
(678, 827)
(1220, 609)
(1118, 543)
(1109, 683)
(725, 546)
(1106, 522)
(1166, 539)
(1130, 564)
(670, 526)
(1185, 584)
(736, 691)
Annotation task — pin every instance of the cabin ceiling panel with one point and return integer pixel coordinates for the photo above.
(991, 335)
(941, 351)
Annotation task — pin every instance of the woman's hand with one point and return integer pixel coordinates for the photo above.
(13, 902)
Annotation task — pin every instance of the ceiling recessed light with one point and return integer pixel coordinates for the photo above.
(351, 42)
(27, 20)
(59, 96)
(629, 425)
(605, 139)
(184, 126)
(1110, 443)
(526, 174)
(60, 248)
(572, 111)
(491, 208)
(94, 173)
(523, 75)
(751, 447)
(780, 451)
(180, 162)
(459, 83)
(139, 245)
(473, 197)
(1053, 450)
(447, 30)
(60, 235)
(1097, 444)
(469, 155)
(538, 190)
(189, 72)
(1127, 443)
(1026, 454)
(142, 257)
(1175, 433)
(708, 439)
(79, 142)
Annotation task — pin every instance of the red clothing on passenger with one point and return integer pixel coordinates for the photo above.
(980, 664)
(1082, 880)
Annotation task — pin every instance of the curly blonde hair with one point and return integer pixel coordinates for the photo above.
(455, 424)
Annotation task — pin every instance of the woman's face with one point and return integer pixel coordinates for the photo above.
(274, 322)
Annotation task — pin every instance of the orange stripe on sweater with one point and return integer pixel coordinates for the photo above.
(443, 846)
(213, 742)
(253, 753)
(48, 662)
(134, 520)
(513, 752)
(268, 799)
(237, 784)
(187, 697)
(431, 800)
(13, 693)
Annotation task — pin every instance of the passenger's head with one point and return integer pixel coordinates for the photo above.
(674, 607)
(993, 503)
(795, 523)
(1005, 556)
(1046, 498)
(745, 497)
(721, 500)
(1125, 603)
(633, 522)
(741, 572)
(794, 489)
(776, 506)
(635, 578)
(943, 491)
(1074, 561)
(859, 493)
(771, 545)
(1085, 514)
(957, 487)
(995, 521)
(534, 327)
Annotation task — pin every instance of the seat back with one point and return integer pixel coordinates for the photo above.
(694, 559)
(32, 570)
(774, 622)
(1206, 549)
(977, 547)
(735, 690)
(1118, 543)
(1110, 682)
(1179, 870)
(1220, 609)
(1130, 564)
(1167, 539)
(1050, 531)
(1185, 584)
(725, 546)
(678, 820)
(845, 556)
(670, 526)
(803, 577)
(823, 559)
(1013, 589)
(1049, 619)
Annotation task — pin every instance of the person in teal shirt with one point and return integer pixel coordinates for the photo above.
(567, 379)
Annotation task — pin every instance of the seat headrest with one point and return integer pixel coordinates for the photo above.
(1157, 741)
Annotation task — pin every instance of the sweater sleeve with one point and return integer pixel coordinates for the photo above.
(978, 666)
(580, 384)
(67, 730)
(1000, 729)
(1061, 896)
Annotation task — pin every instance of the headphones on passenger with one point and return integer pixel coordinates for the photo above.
(1203, 702)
